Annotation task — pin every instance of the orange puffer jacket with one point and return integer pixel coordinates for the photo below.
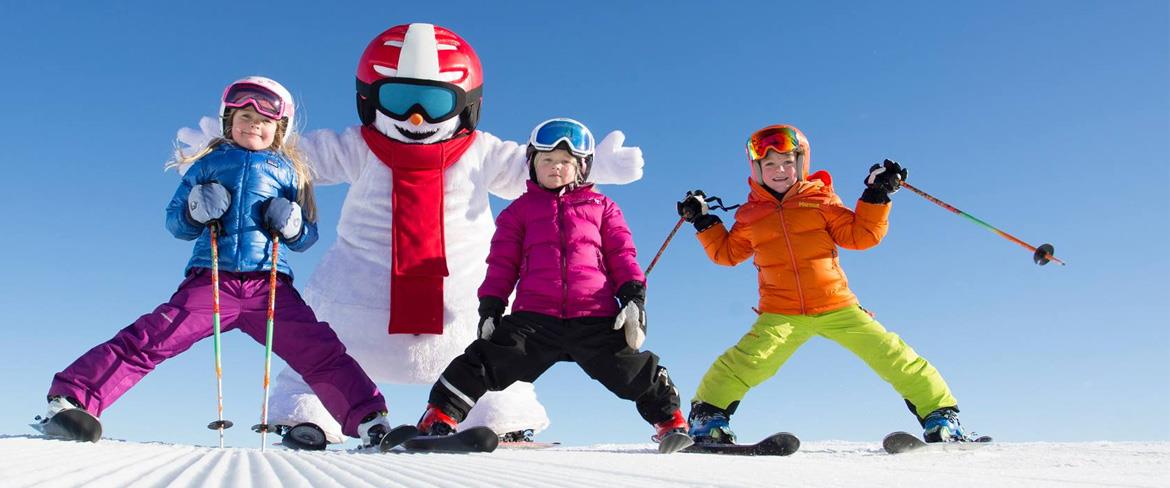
(795, 244)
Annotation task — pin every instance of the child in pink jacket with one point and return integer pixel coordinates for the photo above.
(569, 255)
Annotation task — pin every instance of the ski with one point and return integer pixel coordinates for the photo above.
(903, 442)
(73, 424)
(475, 439)
(397, 436)
(527, 445)
(674, 442)
(779, 444)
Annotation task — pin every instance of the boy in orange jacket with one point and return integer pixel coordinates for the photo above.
(793, 224)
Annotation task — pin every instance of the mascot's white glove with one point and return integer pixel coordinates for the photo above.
(615, 164)
(632, 317)
(195, 140)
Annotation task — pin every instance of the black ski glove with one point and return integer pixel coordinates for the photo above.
(693, 208)
(883, 180)
(491, 311)
(692, 205)
(632, 318)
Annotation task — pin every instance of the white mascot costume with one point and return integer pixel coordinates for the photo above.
(399, 284)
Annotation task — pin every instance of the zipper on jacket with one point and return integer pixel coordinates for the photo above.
(240, 209)
(792, 258)
(564, 262)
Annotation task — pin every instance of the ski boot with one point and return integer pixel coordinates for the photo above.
(373, 428)
(435, 422)
(525, 435)
(676, 423)
(710, 424)
(66, 418)
(305, 436)
(671, 434)
(942, 425)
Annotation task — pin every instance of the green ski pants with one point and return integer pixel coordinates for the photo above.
(774, 337)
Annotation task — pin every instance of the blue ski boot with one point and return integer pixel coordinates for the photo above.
(710, 424)
(942, 425)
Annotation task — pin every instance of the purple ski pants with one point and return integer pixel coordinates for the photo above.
(310, 348)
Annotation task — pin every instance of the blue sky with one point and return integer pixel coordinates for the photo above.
(1049, 119)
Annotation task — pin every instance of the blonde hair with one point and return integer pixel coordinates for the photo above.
(288, 149)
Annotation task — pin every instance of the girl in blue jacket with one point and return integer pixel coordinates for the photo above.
(251, 183)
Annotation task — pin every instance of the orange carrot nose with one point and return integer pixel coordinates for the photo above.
(416, 119)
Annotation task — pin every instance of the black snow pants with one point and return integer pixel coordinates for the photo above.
(525, 344)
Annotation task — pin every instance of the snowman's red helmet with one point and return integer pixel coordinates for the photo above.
(423, 69)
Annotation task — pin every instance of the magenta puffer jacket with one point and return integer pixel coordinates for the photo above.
(570, 252)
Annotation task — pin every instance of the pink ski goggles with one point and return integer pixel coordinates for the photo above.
(264, 101)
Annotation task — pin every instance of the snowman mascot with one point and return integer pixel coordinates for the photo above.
(399, 284)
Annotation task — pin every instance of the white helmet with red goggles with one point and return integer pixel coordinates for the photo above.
(420, 69)
(264, 95)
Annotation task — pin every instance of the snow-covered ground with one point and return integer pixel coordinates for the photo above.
(33, 461)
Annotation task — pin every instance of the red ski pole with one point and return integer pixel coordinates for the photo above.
(664, 244)
(263, 426)
(219, 424)
(1041, 255)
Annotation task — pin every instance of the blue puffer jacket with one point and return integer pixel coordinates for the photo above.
(252, 178)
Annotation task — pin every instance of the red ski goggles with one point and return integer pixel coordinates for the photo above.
(264, 101)
(779, 139)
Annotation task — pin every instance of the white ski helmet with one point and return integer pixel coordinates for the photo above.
(564, 132)
(265, 95)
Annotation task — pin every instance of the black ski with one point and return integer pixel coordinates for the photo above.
(73, 424)
(902, 442)
(397, 436)
(779, 444)
(475, 439)
(674, 442)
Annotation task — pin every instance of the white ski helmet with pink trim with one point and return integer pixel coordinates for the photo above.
(265, 95)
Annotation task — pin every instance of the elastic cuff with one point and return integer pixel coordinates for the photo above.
(704, 222)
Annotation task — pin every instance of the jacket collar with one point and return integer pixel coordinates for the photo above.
(575, 193)
(800, 189)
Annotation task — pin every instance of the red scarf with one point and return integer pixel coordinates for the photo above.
(418, 254)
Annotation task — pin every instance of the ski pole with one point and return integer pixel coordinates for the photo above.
(219, 424)
(263, 427)
(1041, 255)
(663, 248)
(718, 206)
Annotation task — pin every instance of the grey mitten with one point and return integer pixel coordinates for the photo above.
(207, 202)
(283, 216)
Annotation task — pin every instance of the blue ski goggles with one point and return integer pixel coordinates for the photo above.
(550, 133)
(435, 101)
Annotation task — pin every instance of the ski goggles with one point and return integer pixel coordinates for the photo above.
(549, 134)
(436, 101)
(776, 138)
(266, 102)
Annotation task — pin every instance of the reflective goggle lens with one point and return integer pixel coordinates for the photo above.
(397, 98)
(552, 133)
(265, 101)
(779, 139)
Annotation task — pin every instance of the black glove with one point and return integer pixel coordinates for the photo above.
(883, 180)
(632, 291)
(632, 318)
(491, 310)
(693, 205)
(693, 208)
